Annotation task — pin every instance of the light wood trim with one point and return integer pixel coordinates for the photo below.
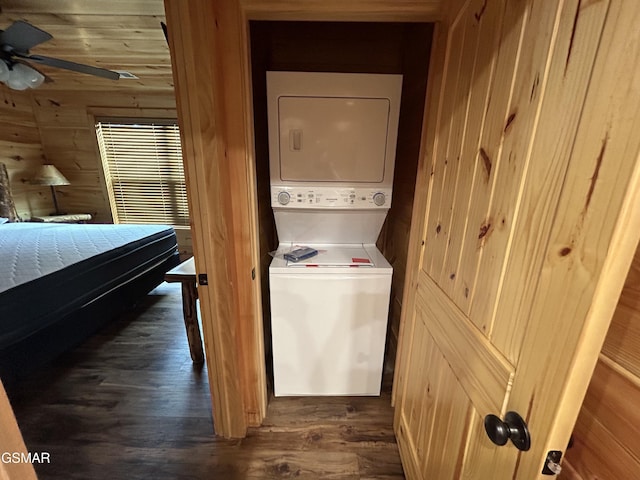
(214, 97)
(479, 367)
(236, 89)
(11, 441)
(195, 48)
(340, 10)
(258, 383)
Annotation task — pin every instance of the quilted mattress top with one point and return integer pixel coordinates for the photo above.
(32, 250)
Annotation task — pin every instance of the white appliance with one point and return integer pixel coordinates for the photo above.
(332, 140)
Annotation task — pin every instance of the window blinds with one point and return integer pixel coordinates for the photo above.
(144, 171)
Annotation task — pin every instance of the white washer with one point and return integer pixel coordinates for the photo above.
(332, 140)
(329, 321)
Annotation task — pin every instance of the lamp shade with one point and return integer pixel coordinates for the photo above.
(49, 175)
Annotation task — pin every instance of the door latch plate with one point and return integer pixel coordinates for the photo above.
(552, 463)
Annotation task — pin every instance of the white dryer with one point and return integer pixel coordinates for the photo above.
(332, 140)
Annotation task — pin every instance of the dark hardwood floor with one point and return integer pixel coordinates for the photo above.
(128, 404)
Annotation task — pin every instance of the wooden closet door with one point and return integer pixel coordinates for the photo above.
(522, 230)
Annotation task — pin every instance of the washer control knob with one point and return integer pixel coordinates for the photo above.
(379, 199)
(284, 198)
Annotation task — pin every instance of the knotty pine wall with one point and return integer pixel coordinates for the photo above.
(21, 151)
(605, 439)
(390, 48)
(56, 126)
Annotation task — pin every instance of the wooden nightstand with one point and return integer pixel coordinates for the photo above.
(73, 218)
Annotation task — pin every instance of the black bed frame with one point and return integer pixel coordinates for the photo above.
(33, 352)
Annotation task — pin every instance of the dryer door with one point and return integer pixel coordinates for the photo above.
(325, 139)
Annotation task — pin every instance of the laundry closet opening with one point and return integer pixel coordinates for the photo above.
(345, 47)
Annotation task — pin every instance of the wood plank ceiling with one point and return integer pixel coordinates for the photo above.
(113, 34)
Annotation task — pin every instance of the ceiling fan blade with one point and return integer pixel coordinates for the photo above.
(22, 36)
(76, 67)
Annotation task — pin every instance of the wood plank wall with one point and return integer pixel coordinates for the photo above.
(55, 126)
(392, 48)
(21, 151)
(605, 439)
(69, 142)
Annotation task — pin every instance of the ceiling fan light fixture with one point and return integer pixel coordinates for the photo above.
(35, 78)
(4, 71)
(17, 78)
(21, 77)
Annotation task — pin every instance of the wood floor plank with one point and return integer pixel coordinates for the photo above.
(128, 403)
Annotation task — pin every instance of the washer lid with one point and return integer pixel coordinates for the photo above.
(299, 226)
(348, 256)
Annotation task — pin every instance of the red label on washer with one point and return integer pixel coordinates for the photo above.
(360, 260)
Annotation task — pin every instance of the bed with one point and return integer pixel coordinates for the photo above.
(60, 283)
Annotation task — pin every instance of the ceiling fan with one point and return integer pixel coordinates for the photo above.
(16, 70)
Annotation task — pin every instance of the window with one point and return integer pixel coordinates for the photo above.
(142, 162)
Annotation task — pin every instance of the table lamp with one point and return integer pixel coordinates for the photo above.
(50, 175)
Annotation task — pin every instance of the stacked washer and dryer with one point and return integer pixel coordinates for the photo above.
(332, 142)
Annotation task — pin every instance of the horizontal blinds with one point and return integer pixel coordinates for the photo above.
(145, 175)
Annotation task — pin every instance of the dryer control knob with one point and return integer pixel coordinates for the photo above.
(379, 199)
(283, 198)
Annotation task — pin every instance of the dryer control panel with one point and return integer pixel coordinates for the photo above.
(330, 197)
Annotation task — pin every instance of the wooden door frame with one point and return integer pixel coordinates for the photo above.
(209, 43)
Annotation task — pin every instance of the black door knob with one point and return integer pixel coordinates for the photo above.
(512, 428)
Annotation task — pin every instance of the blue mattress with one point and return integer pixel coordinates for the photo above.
(48, 271)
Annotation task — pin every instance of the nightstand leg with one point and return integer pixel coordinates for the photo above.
(189, 308)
